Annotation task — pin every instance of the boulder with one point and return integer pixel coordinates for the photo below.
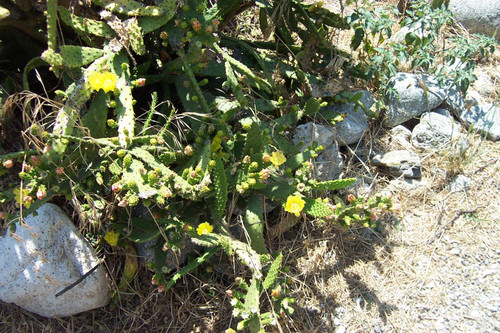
(45, 255)
(329, 164)
(478, 16)
(410, 96)
(484, 119)
(399, 163)
(355, 124)
(436, 131)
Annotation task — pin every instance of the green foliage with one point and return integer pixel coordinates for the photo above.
(381, 54)
(217, 131)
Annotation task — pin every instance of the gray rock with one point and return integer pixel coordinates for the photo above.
(459, 183)
(45, 255)
(484, 119)
(414, 94)
(436, 131)
(399, 163)
(478, 16)
(329, 164)
(355, 124)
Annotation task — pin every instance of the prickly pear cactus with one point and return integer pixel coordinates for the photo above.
(220, 189)
(85, 26)
(135, 36)
(253, 221)
(78, 56)
(317, 208)
(129, 7)
(333, 185)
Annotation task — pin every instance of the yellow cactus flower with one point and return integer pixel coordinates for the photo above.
(23, 197)
(277, 158)
(112, 237)
(204, 228)
(294, 204)
(103, 80)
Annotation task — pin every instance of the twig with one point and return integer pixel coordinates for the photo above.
(439, 233)
(74, 284)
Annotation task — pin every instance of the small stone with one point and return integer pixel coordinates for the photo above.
(437, 131)
(44, 256)
(340, 329)
(455, 251)
(399, 163)
(459, 183)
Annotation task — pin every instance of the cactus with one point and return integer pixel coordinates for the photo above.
(233, 83)
(220, 187)
(95, 118)
(256, 81)
(194, 84)
(52, 24)
(78, 56)
(273, 272)
(317, 208)
(149, 24)
(129, 7)
(254, 225)
(52, 58)
(312, 106)
(333, 185)
(124, 107)
(252, 308)
(135, 36)
(85, 26)
(295, 161)
(130, 268)
(253, 142)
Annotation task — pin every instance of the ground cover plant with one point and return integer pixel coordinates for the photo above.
(160, 106)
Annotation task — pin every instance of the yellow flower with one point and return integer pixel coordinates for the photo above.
(21, 197)
(103, 80)
(277, 158)
(204, 228)
(112, 237)
(294, 204)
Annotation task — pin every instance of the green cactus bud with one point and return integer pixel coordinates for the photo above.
(133, 200)
(112, 123)
(153, 141)
(254, 166)
(120, 153)
(127, 161)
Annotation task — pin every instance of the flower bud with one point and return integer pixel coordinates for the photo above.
(188, 150)
(41, 193)
(8, 164)
(59, 170)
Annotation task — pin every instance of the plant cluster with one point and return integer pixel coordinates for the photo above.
(383, 53)
(159, 108)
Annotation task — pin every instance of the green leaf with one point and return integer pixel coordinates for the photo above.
(220, 187)
(333, 185)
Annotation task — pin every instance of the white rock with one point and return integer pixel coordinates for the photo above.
(436, 131)
(329, 164)
(483, 118)
(414, 94)
(478, 15)
(45, 255)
